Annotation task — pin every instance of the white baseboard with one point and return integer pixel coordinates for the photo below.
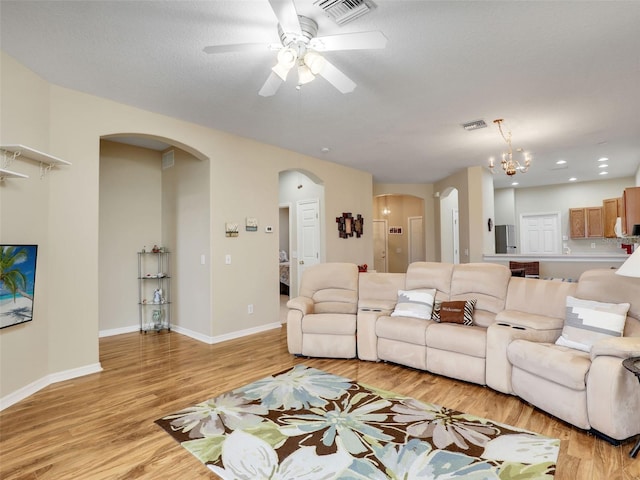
(43, 382)
(118, 331)
(226, 336)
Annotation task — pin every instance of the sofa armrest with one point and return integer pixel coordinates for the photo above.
(369, 304)
(367, 340)
(622, 347)
(304, 304)
(529, 321)
(500, 334)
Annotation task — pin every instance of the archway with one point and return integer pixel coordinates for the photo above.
(449, 226)
(153, 191)
(398, 229)
(301, 193)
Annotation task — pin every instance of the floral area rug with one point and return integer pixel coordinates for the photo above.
(306, 424)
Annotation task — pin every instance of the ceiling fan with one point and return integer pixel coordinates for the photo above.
(300, 47)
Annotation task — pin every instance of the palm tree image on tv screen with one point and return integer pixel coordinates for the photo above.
(17, 282)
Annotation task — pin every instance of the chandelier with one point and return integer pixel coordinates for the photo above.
(510, 165)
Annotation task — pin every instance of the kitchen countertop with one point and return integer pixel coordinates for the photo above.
(571, 257)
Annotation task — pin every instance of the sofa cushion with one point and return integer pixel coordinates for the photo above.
(333, 323)
(565, 366)
(456, 338)
(485, 282)
(588, 321)
(403, 329)
(460, 311)
(415, 303)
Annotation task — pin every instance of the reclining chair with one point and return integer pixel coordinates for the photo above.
(321, 321)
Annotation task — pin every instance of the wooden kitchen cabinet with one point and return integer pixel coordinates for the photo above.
(611, 210)
(577, 223)
(595, 225)
(586, 222)
(631, 205)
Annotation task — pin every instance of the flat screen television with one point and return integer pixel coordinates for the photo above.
(17, 283)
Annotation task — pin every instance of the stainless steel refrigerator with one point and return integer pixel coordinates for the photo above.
(505, 239)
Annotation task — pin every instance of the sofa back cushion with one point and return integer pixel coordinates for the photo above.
(379, 290)
(333, 287)
(486, 283)
(430, 275)
(539, 297)
(603, 285)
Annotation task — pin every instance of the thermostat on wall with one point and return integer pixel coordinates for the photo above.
(268, 229)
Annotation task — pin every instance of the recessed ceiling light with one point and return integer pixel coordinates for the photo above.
(325, 150)
(573, 179)
(604, 173)
(514, 184)
(603, 159)
(603, 165)
(561, 162)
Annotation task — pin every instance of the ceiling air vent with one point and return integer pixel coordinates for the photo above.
(475, 125)
(345, 11)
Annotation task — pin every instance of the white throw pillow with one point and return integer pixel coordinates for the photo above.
(415, 303)
(588, 321)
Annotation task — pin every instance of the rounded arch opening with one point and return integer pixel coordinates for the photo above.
(449, 226)
(301, 236)
(145, 201)
(153, 142)
(398, 231)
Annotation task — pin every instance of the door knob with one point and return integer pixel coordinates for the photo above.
(301, 262)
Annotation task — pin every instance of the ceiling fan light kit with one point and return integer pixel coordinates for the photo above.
(300, 44)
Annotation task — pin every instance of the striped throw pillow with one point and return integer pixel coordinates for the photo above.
(415, 303)
(459, 311)
(588, 321)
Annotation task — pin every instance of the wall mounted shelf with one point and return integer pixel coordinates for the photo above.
(46, 161)
(9, 174)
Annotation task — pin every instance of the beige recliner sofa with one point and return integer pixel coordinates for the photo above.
(511, 345)
(321, 321)
(457, 351)
(591, 390)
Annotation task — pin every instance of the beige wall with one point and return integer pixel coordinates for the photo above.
(186, 233)
(242, 179)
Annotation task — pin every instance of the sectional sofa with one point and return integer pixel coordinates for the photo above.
(553, 344)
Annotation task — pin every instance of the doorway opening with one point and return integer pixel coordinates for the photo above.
(398, 232)
(153, 191)
(301, 241)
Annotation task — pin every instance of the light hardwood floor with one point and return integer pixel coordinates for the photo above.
(101, 426)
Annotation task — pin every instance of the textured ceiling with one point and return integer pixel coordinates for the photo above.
(565, 76)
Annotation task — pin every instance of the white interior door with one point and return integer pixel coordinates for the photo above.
(308, 214)
(416, 240)
(380, 246)
(540, 233)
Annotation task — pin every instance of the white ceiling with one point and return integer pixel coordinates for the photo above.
(565, 76)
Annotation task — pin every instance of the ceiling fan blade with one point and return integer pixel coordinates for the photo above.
(238, 47)
(349, 41)
(336, 78)
(287, 16)
(271, 86)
